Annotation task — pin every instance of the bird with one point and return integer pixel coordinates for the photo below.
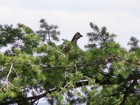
(76, 37)
(68, 49)
(72, 43)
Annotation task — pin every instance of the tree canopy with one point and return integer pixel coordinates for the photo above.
(35, 66)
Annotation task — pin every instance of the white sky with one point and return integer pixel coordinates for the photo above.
(121, 17)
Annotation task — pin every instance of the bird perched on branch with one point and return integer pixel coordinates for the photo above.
(72, 43)
(69, 49)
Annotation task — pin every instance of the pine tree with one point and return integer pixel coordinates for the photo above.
(105, 73)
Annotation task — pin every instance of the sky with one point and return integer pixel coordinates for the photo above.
(121, 17)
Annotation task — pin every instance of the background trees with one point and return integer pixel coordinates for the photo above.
(34, 67)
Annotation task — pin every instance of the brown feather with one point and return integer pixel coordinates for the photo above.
(74, 41)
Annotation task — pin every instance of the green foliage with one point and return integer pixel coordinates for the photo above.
(9, 35)
(31, 41)
(39, 69)
(25, 29)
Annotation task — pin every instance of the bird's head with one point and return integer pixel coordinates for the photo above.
(77, 35)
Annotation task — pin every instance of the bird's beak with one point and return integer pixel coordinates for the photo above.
(81, 35)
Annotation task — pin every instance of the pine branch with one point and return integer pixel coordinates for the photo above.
(32, 98)
(62, 66)
(81, 83)
(131, 76)
(127, 92)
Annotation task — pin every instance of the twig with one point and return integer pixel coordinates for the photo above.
(75, 66)
(9, 74)
(2, 87)
(15, 72)
(69, 83)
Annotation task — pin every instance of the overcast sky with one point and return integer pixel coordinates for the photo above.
(121, 17)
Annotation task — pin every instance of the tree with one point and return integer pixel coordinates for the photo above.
(47, 31)
(32, 69)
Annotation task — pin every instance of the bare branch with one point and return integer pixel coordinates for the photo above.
(7, 81)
